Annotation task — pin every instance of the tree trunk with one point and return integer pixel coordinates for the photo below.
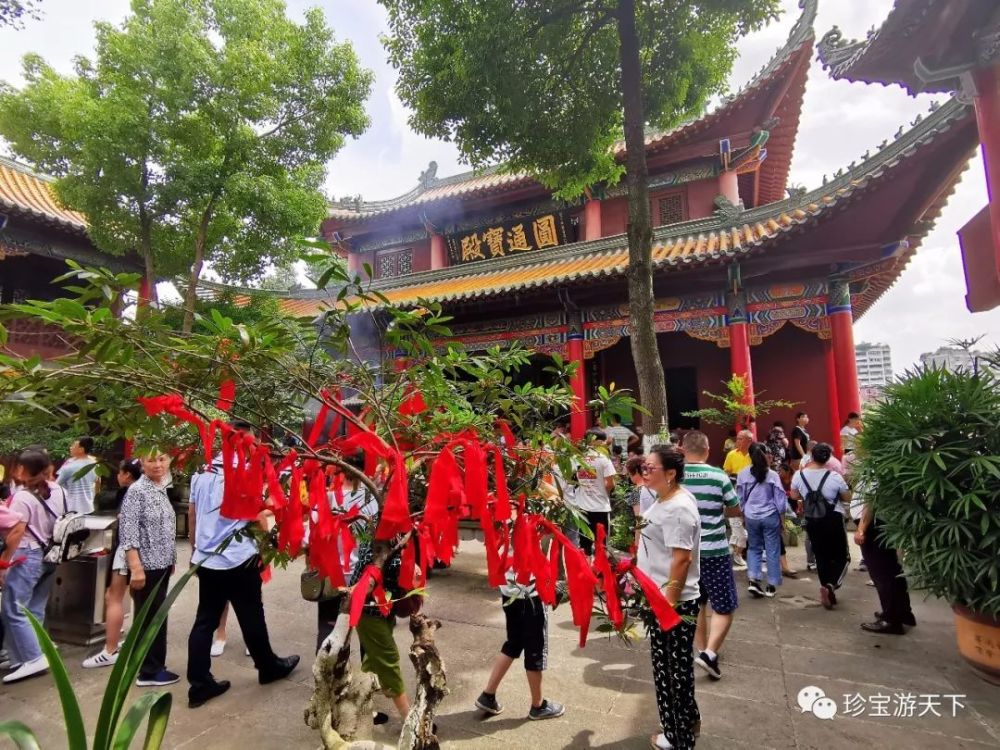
(191, 295)
(645, 352)
(340, 708)
(432, 687)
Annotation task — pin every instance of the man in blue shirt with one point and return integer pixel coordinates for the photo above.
(229, 574)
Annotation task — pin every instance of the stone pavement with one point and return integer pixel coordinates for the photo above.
(776, 648)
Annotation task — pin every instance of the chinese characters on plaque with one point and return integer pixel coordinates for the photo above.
(512, 237)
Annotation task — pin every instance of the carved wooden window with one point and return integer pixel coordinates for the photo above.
(393, 263)
(671, 209)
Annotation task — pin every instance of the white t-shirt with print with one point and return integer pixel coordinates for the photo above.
(672, 524)
(591, 492)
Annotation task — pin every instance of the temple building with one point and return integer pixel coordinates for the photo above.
(942, 46)
(751, 276)
(37, 237)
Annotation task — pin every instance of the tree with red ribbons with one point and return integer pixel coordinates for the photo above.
(452, 438)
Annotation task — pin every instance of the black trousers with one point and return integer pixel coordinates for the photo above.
(829, 544)
(595, 518)
(156, 657)
(673, 678)
(240, 587)
(887, 574)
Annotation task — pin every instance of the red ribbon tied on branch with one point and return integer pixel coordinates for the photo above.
(227, 395)
(371, 575)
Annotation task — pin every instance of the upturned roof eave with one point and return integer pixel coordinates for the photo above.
(801, 35)
(603, 258)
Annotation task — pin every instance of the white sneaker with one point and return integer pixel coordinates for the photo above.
(28, 669)
(218, 647)
(100, 659)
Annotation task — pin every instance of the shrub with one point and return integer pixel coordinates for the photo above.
(931, 456)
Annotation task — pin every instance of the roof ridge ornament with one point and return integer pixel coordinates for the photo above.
(429, 176)
(728, 211)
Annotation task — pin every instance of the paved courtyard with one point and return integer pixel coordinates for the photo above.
(776, 648)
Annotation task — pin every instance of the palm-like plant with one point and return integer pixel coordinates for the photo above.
(931, 456)
(113, 731)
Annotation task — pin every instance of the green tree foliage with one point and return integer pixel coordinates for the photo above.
(13, 11)
(733, 405)
(198, 134)
(550, 88)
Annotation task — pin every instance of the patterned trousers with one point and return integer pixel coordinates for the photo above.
(673, 676)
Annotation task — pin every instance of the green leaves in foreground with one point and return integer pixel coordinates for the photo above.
(112, 732)
(931, 469)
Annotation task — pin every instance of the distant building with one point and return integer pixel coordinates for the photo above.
(874, 366)
(953, 358)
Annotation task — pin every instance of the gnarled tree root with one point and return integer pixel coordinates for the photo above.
(340, 708)
(432, 687)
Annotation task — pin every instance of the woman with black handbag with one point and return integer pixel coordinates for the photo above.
(38, 503)
(317, 589)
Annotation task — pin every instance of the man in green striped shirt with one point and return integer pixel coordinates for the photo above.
(716, 500)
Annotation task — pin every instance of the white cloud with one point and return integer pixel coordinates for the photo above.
(839, 122)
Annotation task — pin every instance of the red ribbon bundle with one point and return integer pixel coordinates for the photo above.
(609, 581)
(666, 615)
(452, 491)
(227, 395)
(371, 575)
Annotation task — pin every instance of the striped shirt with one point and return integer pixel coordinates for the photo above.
(714, 492)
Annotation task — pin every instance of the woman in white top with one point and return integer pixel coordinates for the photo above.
(826, 532)
(27, 582)
(669, 554)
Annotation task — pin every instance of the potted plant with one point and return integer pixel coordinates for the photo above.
(734, 407)
(931, 454)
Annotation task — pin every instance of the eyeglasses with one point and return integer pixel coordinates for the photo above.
(649, 468)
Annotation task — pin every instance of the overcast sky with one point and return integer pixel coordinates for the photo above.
(840, 121)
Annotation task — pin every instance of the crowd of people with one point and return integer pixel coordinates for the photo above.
(693, 525)
(700, 523)
(145, 558)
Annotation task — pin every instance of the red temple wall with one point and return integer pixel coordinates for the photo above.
(614, 214)
(701, 198)
(790, 366)
(676, 350)
(422, 256)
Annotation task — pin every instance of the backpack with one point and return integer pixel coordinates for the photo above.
(69, 534)
(815, 505)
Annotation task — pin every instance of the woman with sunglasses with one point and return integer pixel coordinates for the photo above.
(669, 554)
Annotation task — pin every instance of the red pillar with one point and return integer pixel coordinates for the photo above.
(144, 295)
(838, 309)
(355, 265)
(439, 255)
(987, 101)
(729, 187)
(578, 413)
(832, 397)
(739, 359)
(592, 220)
